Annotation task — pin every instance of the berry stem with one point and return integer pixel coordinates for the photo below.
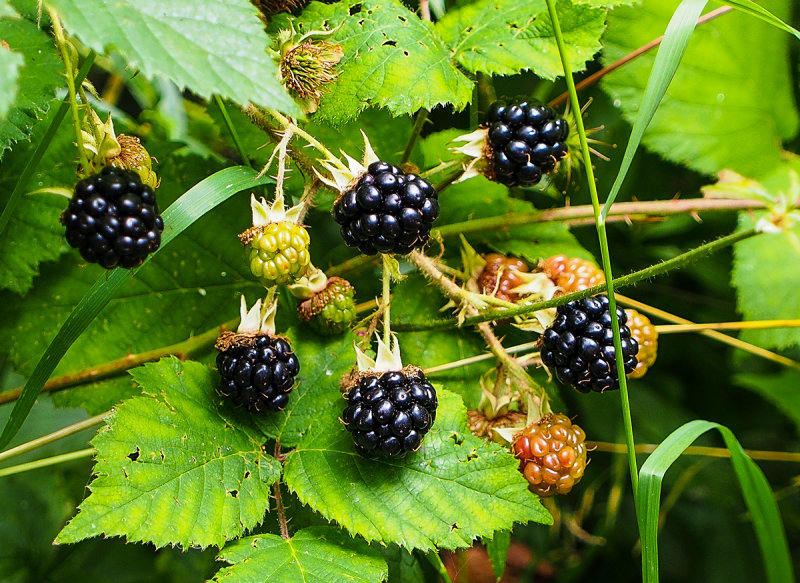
(478, 358)
(234, 134)
(263, 122)
(52, 437)
(61, 42)
(386, 301)
(314, 142)
(748, 325)
(419, 123)
(595, 77)
(720, 452)
(48, 461)
(276, 489)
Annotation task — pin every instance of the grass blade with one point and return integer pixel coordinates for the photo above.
(755, 490)
(192, 205)
(753, 9)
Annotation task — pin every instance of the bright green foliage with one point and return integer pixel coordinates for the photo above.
(208, 46)
(175, 468)
(7, 11)
(319, 554)
(767, 281)
(322, 364)
(37, 79)
(780, 389)
(392, 59)
(10, 64)
(497, 549)
(715, 114)
(508, 36)
(33, 233)
(455, 488)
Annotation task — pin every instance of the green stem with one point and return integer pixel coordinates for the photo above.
(49, 461)
(604, 252)
(234, 134)
(73, 102)
(419, 123)
(386, 302)
(630, 279)
(436, 562)
(38, 154)
(55, 436)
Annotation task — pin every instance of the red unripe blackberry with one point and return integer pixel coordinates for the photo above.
(579, 345)
(552, 454)
(113, 219)
(572, 274)
(499, 276)
(387, 211)
(257, 370)
(646, 335)
(389, 413)
(525, 141)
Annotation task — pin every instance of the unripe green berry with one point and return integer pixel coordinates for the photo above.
(277, 253)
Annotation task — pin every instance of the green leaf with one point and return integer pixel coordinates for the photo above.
(37, 80)
(10, 65)
(714, 116)
(7, 11)
(388, 52)
(174, 469)
(756, 492)
(780, 389)
(197, 201)
(320, 554)
(208, 46)
(509, 36)
(767, 282)
(497, 549)
(401, 500)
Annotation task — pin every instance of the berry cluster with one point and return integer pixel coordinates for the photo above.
(113, 219)
(277, 253)
(552, 454)
(579, 345)
(387, 211)
(331, 310)
(572, 274)
(389, 414)
(499, 276)
(525, 141)
(257, 370)
(646, 335)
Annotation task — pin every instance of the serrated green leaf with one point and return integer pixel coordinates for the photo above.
(174, 469)
(779, 389)
(323, 362)
(402, 501)
(404, 566)
(509, 36)
(392, 59)
(714, 115)
(319, 554)
(208, 46)
(497, 549)
(10, 64)
(38, 79)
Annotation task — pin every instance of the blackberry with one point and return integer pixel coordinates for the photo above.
(389, 413)
(579, 345)
(572, 274)
(113, 219)
(331, 310)
(647, 336)
(257, 370)
(277, 253)
(552, 454)
(387, 211)
(500, 275)
(525, 141)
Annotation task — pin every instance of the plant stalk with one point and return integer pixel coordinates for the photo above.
(386, 302)
(234, 134)
(419, 123)
(747, 325)
(720, 452)
(55, 436)
(50, 461)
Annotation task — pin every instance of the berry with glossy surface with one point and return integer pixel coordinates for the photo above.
(277, 253)
(331, 310)
(525, 141)
(387, 211)
(257, 371)
(552, 454)
(390, 413)
(499, 276)
(645, 333)
(113, 219)
(572, 274)
(579, 345)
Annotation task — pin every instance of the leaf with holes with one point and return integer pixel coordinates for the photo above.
(510, 36)
(319, 554)
(173, 467)
(392, 59)
(455, 488)
(10, 65)
(209, 46)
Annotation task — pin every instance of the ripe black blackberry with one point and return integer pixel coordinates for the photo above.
(525, 141)
(389, 413)
(113, 219)
(387, 211)
(579, 345)
(257, 370)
